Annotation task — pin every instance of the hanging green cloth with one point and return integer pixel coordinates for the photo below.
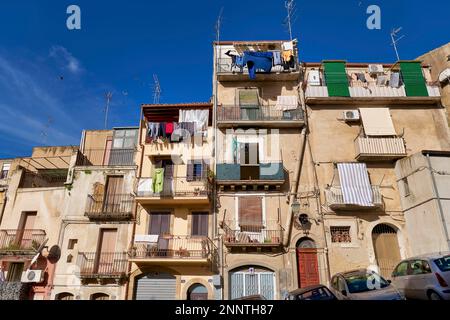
(158, 180)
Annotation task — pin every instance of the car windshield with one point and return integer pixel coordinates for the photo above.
(365, 282)
(443, 263)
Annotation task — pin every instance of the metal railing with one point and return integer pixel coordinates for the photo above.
(259, 113)
(42, 180)
(174, 247)
(225, 66)
(106, 157)
(253, 233)
(104, 264)
(380, 146)
(174, 187)
(17, 240)
(335, 198)
(110, 207)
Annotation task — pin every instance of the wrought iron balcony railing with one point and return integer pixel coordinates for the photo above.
(258, 113)
(16, 240)
(253, 233)
(106, 157)
(102, 264)
(110, 206)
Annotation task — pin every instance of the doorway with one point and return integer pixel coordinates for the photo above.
(386, 248)
(308, 265)
(197, 292)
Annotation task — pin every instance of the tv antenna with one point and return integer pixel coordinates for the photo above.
(108, 97)
(218, 25)
(395, 39)
(156, 89)
(291, 15)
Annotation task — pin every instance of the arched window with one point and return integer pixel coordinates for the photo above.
(197, 292)
(252, 280)
(99, 296)
(64, 296)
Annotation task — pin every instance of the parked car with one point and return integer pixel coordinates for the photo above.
(363, 284)
(252, 297)
(424, 277)
(316, 292)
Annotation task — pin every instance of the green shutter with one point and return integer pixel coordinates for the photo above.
(336, 79)
(413, 79)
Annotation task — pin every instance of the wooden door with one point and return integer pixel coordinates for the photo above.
(107, 153)
(160, 225)
(308, 267)
(106, 251)
(114, 190)
(387, 251)
(24, 235)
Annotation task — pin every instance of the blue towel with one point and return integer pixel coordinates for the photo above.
(257, 61)
(240, 61)
(277, 58)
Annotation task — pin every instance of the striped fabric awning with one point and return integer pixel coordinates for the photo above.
(355, 184)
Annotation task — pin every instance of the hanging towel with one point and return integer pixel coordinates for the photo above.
(145, 186)
(162, 129)
(361, 77)
(257, 61)
(287, 55)
(289, 45)
(169, 128)
(277, 58)
(158, 180)
(394, 82)
(240, 61)
(285, 103)
(355, 184)
(234, 146)
(176, 134)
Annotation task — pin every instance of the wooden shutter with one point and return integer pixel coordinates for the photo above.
(250, 213)
(190, 171)
(413, 79)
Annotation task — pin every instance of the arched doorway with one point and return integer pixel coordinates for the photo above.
(155, 286)
(252, 280)
(386, 248)
(307, 263)
(99, 296)
(197, 292)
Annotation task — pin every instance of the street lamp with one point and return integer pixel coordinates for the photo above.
(295, 207)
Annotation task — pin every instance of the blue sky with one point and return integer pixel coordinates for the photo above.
(53, 81)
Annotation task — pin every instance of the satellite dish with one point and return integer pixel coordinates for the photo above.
(54, 254)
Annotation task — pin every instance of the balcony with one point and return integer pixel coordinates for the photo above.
(370, 93)
(103, 265)
(43, 179)
(257, 174)
(266, 234)
(21, 241)
(335, 200)
(231, 116)
(379, 149)
(114, 207)
(194, 190)
(173, 249)
(106, 157)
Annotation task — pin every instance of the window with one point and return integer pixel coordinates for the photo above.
(125, 139)
(401, 269)
(248, 98)
(377, 122)
(196, 170)
(443, 263)
(64, 296)
(250, 214)
(249, 153)
(406, 187)
(99, 296)
(199, 224)
(418, 267)
(5, 170)
(15, 270)
(72, 243)
(340, 234)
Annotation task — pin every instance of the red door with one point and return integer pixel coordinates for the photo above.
(308, 267)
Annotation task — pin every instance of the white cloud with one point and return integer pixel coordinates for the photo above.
(66, 59)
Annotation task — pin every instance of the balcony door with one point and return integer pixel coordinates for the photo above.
(249, 161)
(168, 167)
(105, 253)
(160, 225)
(250, 220)
(24, 235)
(114, 190)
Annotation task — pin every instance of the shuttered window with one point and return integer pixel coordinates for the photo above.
(248, 98)
(196, 171)
(199, 224)
(413, 79)
(377, 122)
(336, 79)
(250, 213)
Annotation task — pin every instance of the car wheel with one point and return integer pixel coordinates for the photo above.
(434, 296)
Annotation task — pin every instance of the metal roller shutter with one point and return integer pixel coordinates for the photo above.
(160, 286)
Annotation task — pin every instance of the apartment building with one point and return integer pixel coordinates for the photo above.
(259, 136)
(362, 118)
(33, 205)
(98, 217)
(172, 252)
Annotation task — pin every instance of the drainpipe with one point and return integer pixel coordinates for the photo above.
(139, 174)
(436, 194)
(2, 212)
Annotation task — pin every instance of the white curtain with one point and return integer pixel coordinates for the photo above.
(199, 117)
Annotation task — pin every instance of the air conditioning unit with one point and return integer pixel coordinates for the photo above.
(30, 276)
(351, 115)
(376, 68)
